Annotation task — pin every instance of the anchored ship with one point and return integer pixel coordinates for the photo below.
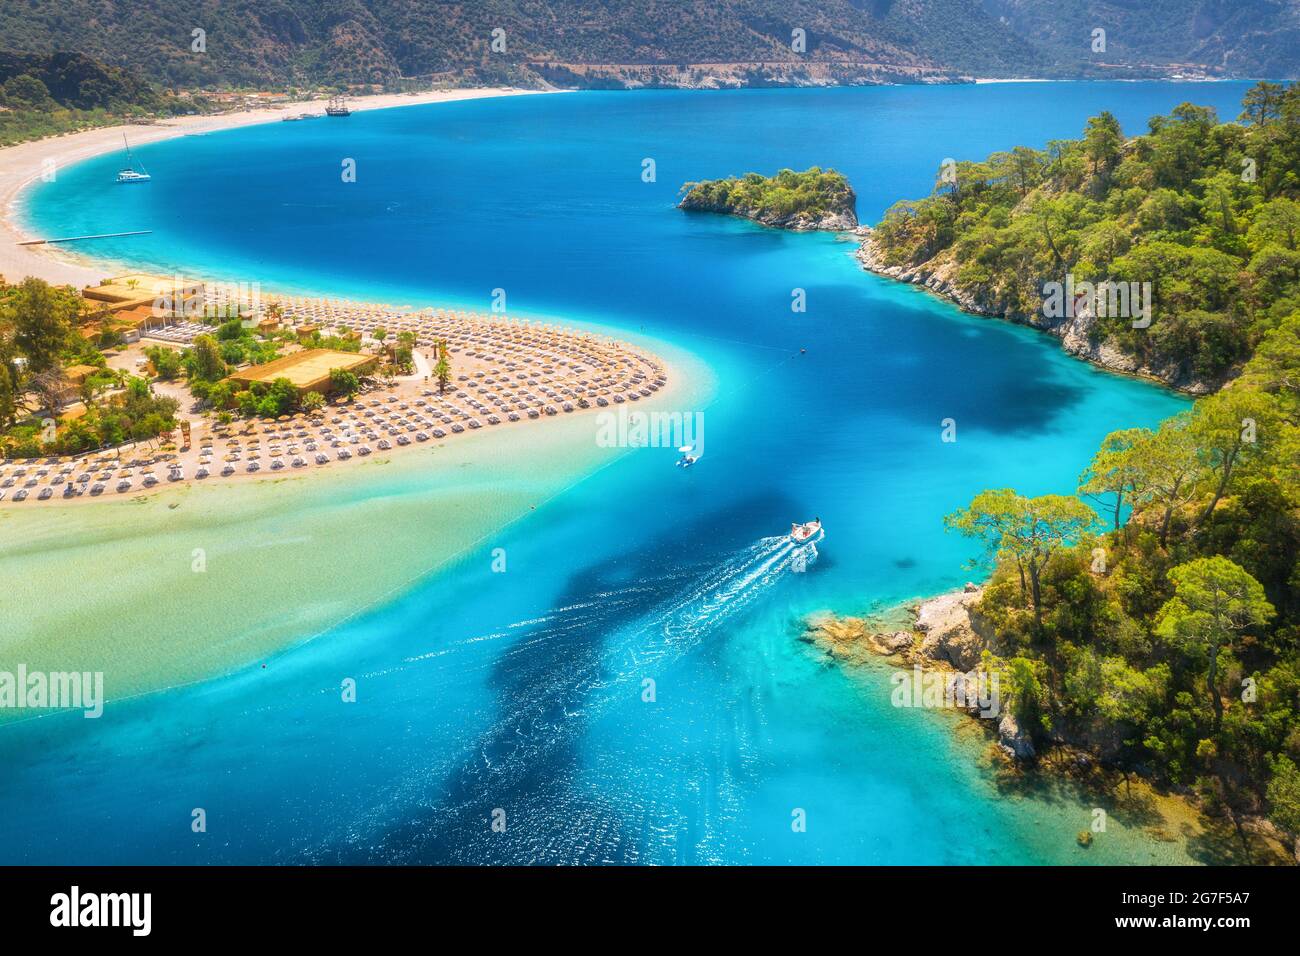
(130, 174)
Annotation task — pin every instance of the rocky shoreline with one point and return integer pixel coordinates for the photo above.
(946, 636)
(938, 275)
(843, 220)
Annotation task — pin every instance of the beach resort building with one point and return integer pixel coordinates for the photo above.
(159, 293)
(308, 371)
(135, 303)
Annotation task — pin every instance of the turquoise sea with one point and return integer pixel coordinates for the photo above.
(523, 691)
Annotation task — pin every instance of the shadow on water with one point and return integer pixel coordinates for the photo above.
(559, 676)
(1059, 780)
(1006, 388)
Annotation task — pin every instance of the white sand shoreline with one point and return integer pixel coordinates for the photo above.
(21, 166)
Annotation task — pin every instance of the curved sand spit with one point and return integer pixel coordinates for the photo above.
(504, 372)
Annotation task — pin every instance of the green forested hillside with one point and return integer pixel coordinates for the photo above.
(1204, 211)
(1257, 38)
(41, 94)
(1159, 633)
(375, 41)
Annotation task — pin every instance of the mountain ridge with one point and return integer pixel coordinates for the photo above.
(662, 42)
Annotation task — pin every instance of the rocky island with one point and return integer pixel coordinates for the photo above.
(812, 199)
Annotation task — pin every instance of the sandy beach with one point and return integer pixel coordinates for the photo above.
(506, 374)
(340, 539)
(26, 163)
(459, 487)
(629, 372)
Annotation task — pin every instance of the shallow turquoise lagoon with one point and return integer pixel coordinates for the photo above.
(524, 691)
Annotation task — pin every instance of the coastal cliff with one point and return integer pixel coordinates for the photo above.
(814, 199)
(1080, 334)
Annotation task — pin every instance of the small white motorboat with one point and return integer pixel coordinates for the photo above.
(688, 456)
(808, 533)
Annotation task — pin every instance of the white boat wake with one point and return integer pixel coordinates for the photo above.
(572, 664)
(722, 593)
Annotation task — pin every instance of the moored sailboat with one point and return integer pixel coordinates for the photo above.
(130, 174)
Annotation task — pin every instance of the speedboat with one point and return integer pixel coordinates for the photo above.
(808, 533)
(688, 456)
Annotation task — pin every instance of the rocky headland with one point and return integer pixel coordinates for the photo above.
(945, 634)
(1079, 333)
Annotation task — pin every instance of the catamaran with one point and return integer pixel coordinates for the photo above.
(130, 174)
(809, 532)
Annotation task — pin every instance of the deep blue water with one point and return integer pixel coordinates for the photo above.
(523, 691)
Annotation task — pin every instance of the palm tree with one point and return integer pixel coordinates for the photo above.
(443, 369)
